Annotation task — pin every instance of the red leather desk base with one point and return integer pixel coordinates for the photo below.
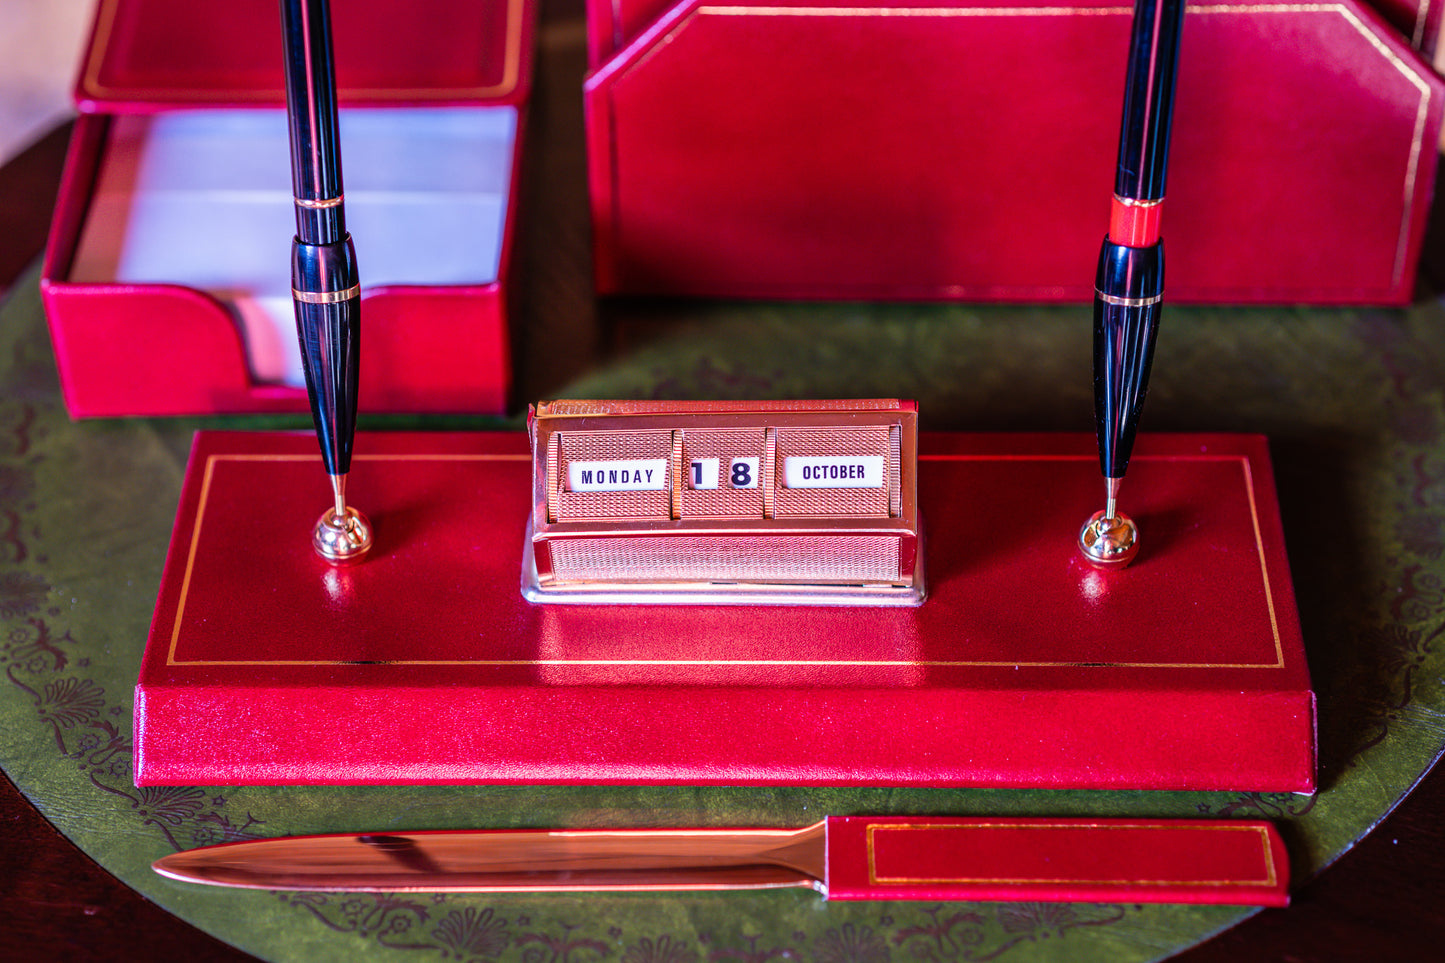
(1024, 667)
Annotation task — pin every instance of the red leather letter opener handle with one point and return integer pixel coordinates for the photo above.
(1077, 860)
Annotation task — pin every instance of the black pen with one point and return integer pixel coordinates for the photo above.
(1129, 285)
(324, 281)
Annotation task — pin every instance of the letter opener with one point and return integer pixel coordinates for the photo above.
(842, 857)
(1129, 285)
(324, 282)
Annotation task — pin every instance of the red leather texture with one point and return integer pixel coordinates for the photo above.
(966, 151)
(1024, 666)
(1078, 860)
(126, 349)
(147, 55)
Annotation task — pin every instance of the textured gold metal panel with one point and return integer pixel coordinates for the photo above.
(553, 466)
(823, 558)
(606, 446)
(575, 409)
(893, 468)
(724, 501)
(826, 502)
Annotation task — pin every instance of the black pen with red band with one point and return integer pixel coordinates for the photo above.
(1129, 285)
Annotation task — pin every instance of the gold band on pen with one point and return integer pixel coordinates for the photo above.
(326, 297)
(320, 204)
(1128, 302)
(1138, 202)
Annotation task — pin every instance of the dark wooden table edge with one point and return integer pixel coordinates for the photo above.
(1378, 901)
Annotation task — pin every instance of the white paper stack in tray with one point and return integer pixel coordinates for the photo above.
(203, 199)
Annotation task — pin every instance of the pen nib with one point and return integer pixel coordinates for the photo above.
(343, 534)
(338, 493)
(1111, 497)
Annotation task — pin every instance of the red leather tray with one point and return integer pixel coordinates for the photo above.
(1024, 667)
(126, 348)
(148, 55)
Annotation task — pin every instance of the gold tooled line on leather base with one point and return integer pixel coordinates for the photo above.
(1270, 878)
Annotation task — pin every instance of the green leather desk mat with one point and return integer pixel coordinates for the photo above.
(1352, 400)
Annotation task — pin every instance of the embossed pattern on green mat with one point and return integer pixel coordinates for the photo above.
(1352, 400)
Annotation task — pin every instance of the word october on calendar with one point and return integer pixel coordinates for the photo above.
(807, 502)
